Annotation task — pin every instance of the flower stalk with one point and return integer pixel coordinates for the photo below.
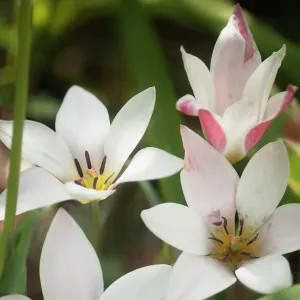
(20, 100)
(96, 225)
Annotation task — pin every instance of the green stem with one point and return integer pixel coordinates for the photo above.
(96, 224)
(20, 100)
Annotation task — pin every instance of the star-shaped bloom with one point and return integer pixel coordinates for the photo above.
(231, 99)
(206, 231)
(70, 269)
(86, 152)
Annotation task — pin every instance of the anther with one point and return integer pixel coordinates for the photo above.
(78, 181)
(241, 226)
(225, 257)
(95, 182)
(88, 159)
(245, 253)
(78, 167)
(218, 223)
(225, 225)
(106, 181)
(103, 165)
(253, 239)
(217, 240)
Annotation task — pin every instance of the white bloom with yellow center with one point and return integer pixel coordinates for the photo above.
(86, 152)
(70, 269)
(206, 230)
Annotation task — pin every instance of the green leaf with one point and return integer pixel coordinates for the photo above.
(294, 156)
(148, 68)
(291, 293)
(14, 278)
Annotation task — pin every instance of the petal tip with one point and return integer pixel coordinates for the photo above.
(188, 105)
(182, 50)
(238, 12)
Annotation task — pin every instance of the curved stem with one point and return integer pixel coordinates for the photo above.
(20, 100)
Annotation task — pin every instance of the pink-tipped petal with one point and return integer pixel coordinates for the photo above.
(245, 32)
(279, 102)
(255, 134)
(188, 105)
(275, 107)
(234, 59)
(212, 130)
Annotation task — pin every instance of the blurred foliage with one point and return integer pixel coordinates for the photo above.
(286, 294)
(116, 48)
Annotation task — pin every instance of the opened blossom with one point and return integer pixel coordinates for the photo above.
(232, 98)
(70, 269)
(250, 249)
(86, 153)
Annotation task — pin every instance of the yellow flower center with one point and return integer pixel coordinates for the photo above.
(92, 178)
(233, 250)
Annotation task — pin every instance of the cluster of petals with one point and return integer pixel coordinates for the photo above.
(232, 98)
(70, 269)
(214, 194)
(86, 148)
(231, 228)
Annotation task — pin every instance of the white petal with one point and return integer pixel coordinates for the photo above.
(197, 277)
(188, 105)
(69, 266)
(15, 297)
(234, 59)
(279, 102)
(148, 283)
(281, 233)
(208, 180)
(128, 128)
(200, 80)
(37, 189)
(260, 83)
(178, 226)
(151, 163)
(236, 134)
(262, 185)
(43, 147)
(84, 194)
(266, 275)
(83, 122)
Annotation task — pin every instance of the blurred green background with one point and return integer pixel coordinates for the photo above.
(116, 48)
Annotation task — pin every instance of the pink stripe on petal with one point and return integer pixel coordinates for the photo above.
(256, 133)
(244, 31)
(212, 130)
(188, 105)
(291, 90)
(188, 108)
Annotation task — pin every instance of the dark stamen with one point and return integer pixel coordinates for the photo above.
(88, 159)
(245, 253)
(225, 225)
(253, 240)
(218, 223)
(103, 165)
(225, 257)
(106, 181)
(95, 182)
(241, 226)
(78, 167)
(215, 239)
